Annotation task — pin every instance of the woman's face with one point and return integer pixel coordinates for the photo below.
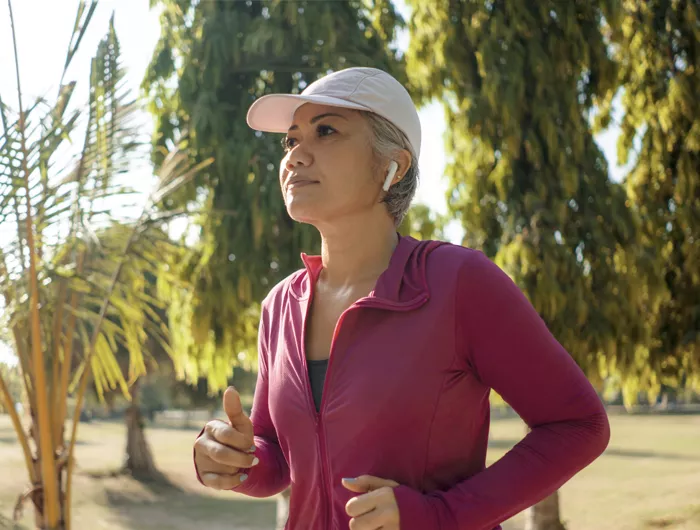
(329, 170)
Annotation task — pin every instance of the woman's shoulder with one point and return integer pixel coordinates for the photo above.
(459, 256)
(468, 266)
(291, 285)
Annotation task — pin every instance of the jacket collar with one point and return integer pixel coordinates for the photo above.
(403, 283)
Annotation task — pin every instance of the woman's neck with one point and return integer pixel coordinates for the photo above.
(357, 253)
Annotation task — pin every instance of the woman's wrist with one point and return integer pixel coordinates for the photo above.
(415, 510)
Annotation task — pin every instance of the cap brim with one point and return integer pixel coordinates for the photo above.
(275, 112)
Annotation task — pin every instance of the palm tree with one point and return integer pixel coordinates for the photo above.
(57, 304)
(155, 352)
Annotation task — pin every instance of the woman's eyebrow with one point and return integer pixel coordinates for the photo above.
(319, 117)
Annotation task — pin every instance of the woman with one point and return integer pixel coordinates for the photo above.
(377, 359)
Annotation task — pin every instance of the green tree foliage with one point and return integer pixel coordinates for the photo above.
(657, 44)
(422, 223)
(529, 183)
(213, 60)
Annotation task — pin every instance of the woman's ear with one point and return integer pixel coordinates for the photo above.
(404, 159)
(397, 168)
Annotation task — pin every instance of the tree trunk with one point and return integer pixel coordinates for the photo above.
(39, 521)
(40, 525)
(35, 496)
(282, 509)
(544, 515)
(139, 459)
(109, 404)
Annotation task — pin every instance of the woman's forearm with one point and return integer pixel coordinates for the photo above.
(537, 466)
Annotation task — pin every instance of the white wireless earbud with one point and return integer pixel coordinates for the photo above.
(393, 166)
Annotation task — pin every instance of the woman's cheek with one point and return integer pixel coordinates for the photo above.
(283, 171)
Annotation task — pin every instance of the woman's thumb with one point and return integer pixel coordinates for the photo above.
(233, 407)
(367, 483)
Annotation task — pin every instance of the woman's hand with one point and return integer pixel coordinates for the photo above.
(377, 508)
(224, 449)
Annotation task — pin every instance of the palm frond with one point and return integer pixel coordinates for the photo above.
(82, 21)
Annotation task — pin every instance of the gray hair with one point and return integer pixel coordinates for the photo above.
(388, 139)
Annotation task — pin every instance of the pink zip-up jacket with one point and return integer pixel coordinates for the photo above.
(406, 396)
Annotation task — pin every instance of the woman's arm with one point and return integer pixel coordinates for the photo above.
(271, 475)
(510, 349)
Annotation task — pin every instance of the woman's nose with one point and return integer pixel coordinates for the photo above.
(298, 156)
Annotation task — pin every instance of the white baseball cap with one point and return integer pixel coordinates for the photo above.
(359, 88)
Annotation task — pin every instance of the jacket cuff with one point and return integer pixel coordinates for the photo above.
(415, 512)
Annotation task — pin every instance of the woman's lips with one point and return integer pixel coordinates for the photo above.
(300, 184)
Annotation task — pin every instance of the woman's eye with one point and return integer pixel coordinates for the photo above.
(322, 130)
(288, 143)
(325, 130)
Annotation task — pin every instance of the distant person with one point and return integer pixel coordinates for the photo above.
(377, 358)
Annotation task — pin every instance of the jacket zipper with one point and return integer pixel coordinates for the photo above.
(325, 471)
(310, 399)
(321, 446)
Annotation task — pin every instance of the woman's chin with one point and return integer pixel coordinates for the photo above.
(302, 213)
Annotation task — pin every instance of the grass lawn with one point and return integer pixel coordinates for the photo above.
(649, 478)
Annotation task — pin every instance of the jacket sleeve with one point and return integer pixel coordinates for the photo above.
(271, 475)
(510, 349)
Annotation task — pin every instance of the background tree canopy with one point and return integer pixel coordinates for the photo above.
(657, 45)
